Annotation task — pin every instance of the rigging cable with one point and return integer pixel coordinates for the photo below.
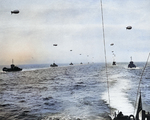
(140, 81)
(105, 52)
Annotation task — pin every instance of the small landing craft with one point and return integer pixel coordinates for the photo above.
(12, 69)
(114, 63)
(131, 64)
(53, 65)
(71, 63)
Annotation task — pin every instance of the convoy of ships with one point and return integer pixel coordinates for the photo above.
(118, 116)
(14, 68)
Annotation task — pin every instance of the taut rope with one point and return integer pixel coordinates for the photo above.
(140, 81)
(105, 52)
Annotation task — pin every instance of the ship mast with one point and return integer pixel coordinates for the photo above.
(131, 58)
(12, 61)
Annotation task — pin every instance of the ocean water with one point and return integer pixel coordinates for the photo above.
(77, 92)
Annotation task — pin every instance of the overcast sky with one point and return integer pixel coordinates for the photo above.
(28, 37)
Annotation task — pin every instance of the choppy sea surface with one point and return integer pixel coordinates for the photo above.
(77, 92)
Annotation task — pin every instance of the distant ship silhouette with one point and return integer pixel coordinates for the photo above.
(12, 69)
(53, 65)
(131, 64)
(71, 63)
(114, 63)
